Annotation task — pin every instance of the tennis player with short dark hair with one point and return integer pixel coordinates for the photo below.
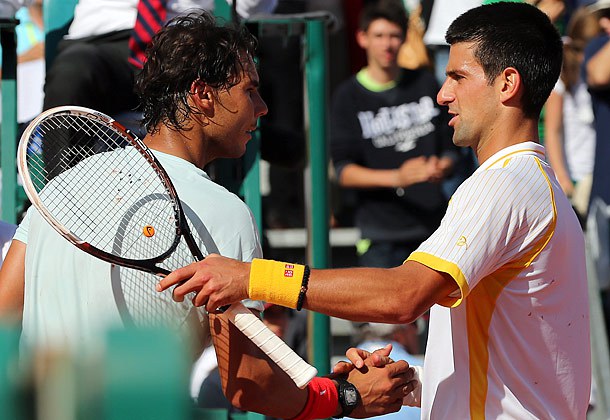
(504, 275)
(199, 90)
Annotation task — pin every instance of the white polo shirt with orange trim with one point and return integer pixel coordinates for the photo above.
(514, 341)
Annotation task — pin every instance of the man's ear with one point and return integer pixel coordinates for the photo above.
(362, 39)
(203, 97)
(510, 84)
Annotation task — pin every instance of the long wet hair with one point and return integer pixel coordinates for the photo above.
(189, 48)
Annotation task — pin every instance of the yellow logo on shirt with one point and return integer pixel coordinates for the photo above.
(462, 242)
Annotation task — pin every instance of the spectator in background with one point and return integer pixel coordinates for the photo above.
(8, 8)
(30, 32)
(568, 123)
(91, 60)
(596, 71)
(597, 75)
(282, 132)
(30, 56)
(390, 142)
(441, 13)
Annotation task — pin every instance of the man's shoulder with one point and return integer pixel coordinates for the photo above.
(347, 87)
(513, 176)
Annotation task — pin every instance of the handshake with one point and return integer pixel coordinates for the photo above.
(361, 360)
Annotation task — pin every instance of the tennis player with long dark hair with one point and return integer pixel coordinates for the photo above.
(201, 102)
(504, 275)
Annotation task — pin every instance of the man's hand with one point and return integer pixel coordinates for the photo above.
(440, 168)
(381, 389)
(364, 361)
(216, 281)
(358, 358)
(423, 169)
(413, 171)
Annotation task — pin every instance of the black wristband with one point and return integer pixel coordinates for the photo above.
(303, 290)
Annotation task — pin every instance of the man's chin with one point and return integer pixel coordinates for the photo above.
(460, 141)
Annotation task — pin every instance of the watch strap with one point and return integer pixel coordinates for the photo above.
(349, 397)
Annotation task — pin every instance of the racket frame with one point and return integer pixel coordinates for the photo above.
(248, 323)
(148, 265)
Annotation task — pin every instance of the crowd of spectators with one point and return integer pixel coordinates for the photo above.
(394, 166)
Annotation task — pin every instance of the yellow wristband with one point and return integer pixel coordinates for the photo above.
(275, 282)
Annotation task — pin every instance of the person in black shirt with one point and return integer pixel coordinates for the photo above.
(391, 143)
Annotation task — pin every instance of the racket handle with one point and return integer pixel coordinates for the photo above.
(251, 325)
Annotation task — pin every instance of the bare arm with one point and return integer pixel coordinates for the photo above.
(553, 140)
(394, 295)
(249, 379)
(411, 172)
(12, 283)
(598, 67)
(253, 383)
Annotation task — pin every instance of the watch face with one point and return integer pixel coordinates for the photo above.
(351, 397)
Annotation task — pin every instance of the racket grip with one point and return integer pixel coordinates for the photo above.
(251, 325)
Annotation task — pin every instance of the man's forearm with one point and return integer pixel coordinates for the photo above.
(251, 381)
(356, 176)
(12, 286)
(396, 295)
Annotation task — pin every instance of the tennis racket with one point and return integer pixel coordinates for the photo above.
(101, 188)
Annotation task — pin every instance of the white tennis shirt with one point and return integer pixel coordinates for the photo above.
(514, 342)
(72, 298)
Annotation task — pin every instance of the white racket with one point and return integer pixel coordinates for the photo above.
(103, 190)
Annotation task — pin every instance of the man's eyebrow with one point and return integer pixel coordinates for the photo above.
(453, 73)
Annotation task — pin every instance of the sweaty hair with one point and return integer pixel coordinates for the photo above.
(187, 49)
(513, 35)
(390, 10)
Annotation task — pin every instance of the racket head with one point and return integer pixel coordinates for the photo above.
(98, 185)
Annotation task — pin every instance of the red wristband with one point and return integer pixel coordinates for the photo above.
(322, 400)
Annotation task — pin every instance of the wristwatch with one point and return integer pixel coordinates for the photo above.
(349, 397)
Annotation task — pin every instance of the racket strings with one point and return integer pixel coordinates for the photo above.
(91, 184)
(149, 308)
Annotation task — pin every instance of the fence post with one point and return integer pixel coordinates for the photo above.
(8, 135)
(316, 78)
